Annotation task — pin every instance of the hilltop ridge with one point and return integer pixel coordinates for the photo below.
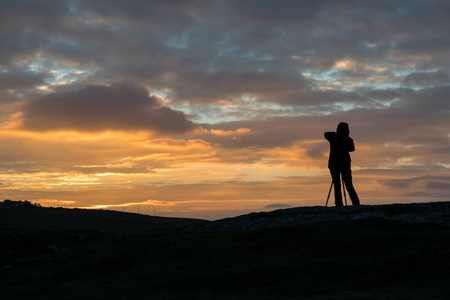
(45, 218)
(24, 217)
(431, 212)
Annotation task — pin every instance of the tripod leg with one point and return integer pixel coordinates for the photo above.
(329, 192)
(343, 188)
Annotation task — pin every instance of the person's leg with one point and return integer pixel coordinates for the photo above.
(336, 175)
(347, 177)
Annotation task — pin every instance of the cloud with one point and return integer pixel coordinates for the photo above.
(17, 79)
(168, 46)
(231, 84)
(431, 182)
(93, 108)
(427, 78)
(283, 131)
(239, 131)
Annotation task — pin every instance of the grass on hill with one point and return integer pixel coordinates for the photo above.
(365, 259)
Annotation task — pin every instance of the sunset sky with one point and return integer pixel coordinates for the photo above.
(212, 109)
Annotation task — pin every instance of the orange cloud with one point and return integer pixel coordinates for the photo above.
(240, 131)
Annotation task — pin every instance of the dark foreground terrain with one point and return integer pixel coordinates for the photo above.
(355, 258)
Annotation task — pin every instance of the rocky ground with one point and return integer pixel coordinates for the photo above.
(434, 212)
(399, 251)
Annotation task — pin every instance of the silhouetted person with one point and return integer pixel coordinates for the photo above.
(339, 162)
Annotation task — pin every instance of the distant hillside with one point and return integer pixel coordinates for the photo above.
(32, 217)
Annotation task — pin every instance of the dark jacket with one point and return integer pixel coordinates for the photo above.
(340, 146)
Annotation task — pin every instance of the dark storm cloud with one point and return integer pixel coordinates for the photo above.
(387, 94)
(120, 106)
(275, 132)
(17, 78)
(174, 15)
(86, 32)
(429, 182)
(234, 84)
(430, 103)
(17, 20)
(206, 51)
(427, 78)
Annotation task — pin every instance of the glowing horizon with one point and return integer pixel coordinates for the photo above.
(218, 109)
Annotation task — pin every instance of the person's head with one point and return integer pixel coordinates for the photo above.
(342, 129)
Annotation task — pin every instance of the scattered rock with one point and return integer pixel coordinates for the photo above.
(53, 247)
(78, 236)
(7, 235)
(7, 267)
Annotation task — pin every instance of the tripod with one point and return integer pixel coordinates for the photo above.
(343, 188)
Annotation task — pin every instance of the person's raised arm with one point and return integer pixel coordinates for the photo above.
(329, 135)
